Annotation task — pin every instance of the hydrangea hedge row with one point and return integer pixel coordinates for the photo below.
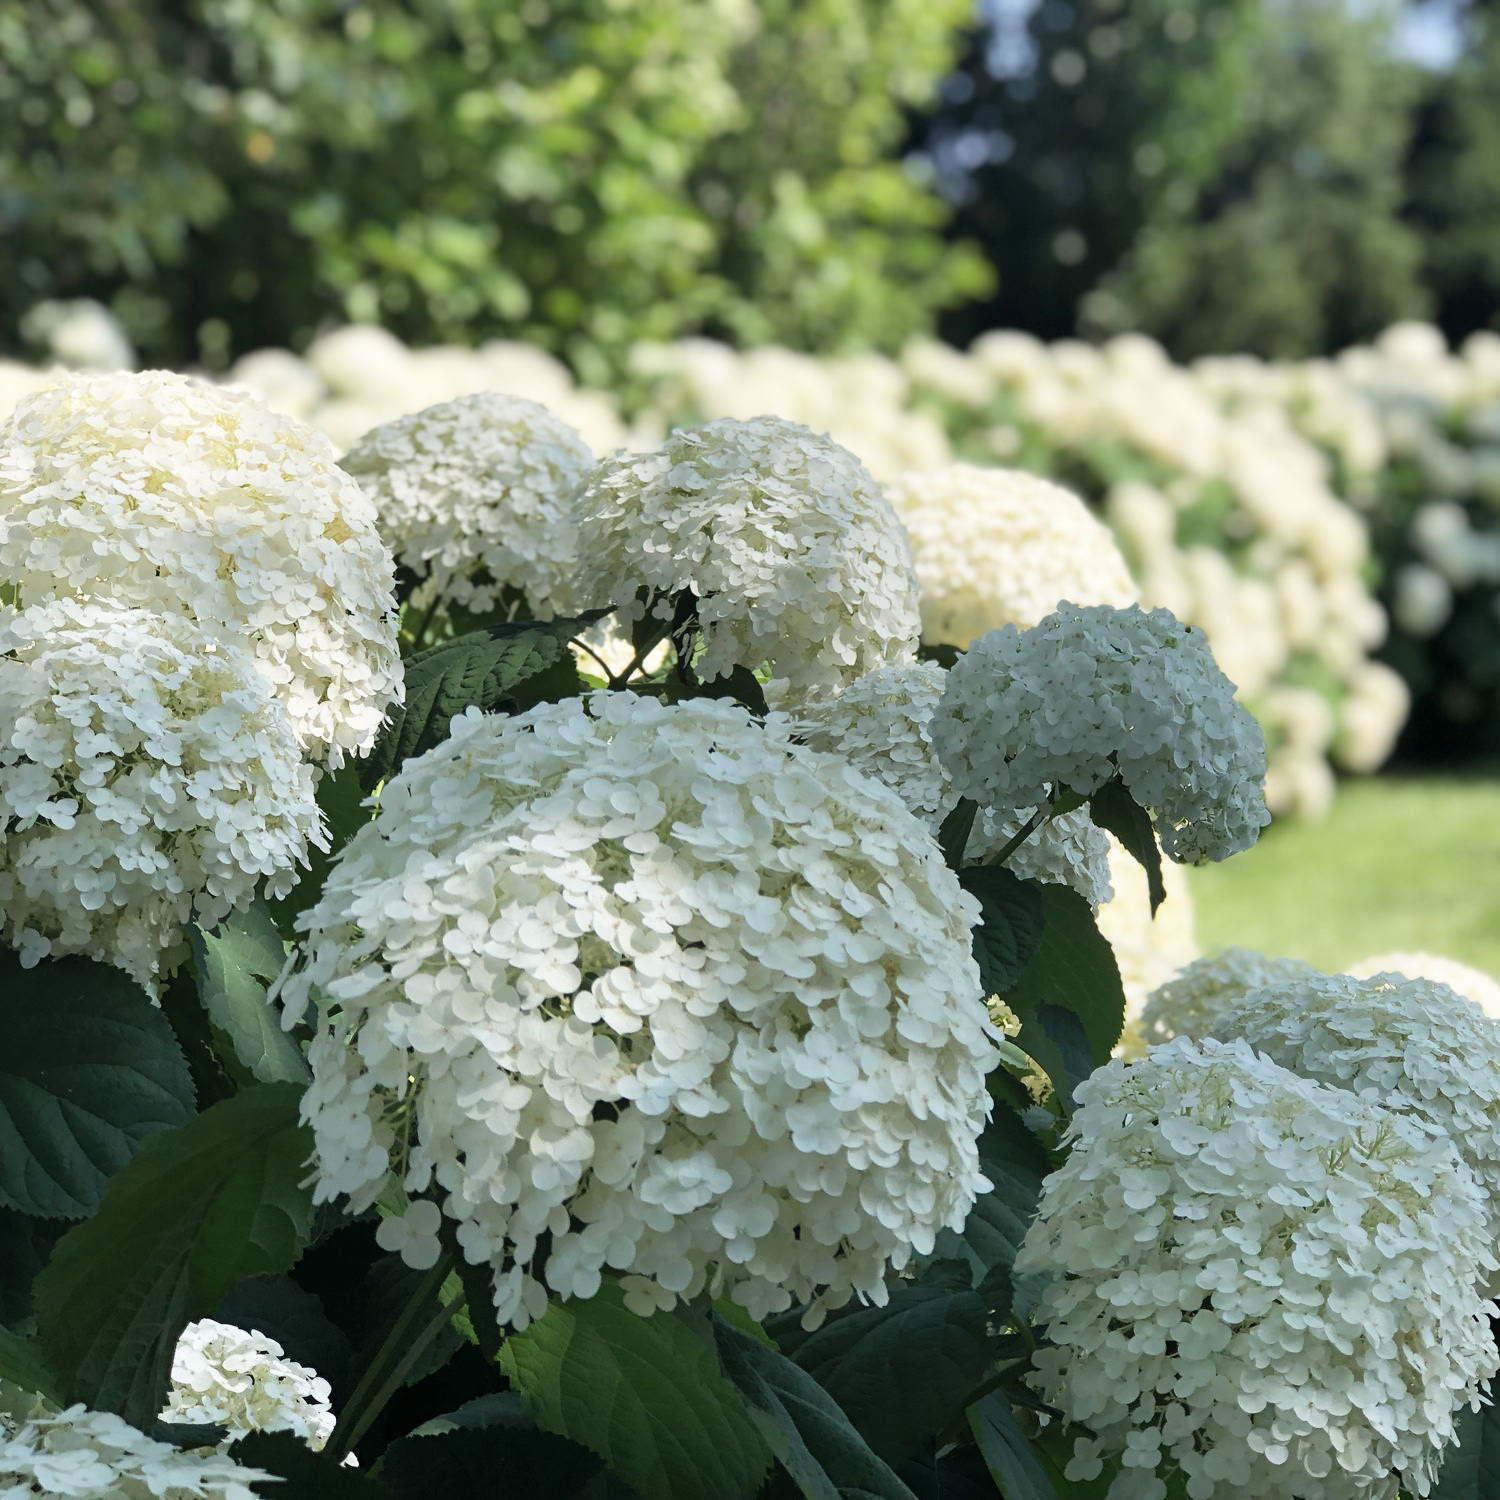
(522, 972)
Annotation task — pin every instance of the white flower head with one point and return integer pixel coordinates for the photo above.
(241, 1380)
(1096, 692)
(476, 495)
(1003, 547)
(78, 1454)
(161, 492)
(1463, 979)
(148, 778)
(794, 554)
(1267, 1285)
(882, 723)
(1199, 999)
(693, 1000)
(1413, 1044)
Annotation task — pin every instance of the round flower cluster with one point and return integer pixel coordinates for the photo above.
(692, 1001)
(1269, 1286)
(793, 552)
(1002, 547)
(1473, 984)
(160, 492)
(147, 778)
(1096, 692)
(78, 1454)
(1199, 1000)
(243, 1381)
(476, 495)
(882, 723)
(1412, 1044)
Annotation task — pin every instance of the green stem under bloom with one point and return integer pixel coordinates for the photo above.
(403, 1346)
(432, 609)
(1029, 827)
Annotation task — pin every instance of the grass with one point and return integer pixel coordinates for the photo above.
(1400, 863)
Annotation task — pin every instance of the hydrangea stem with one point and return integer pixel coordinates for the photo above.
(403, 1346)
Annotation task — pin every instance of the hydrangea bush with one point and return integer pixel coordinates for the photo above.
(656, 1041)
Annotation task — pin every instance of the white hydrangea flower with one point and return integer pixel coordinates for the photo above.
(1412, 1044)
(693, 1000)
(1263, 1283)
(1096, 692)
(1473, 984)
(1198, 1000)
(1002, 547)
(164, 493)
(243, 1381)
(78, 1454)
(148, 778)
(475, 495)
(882, 723)
(793, 552)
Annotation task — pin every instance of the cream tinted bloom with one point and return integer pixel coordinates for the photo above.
(1093, 693)
(793, 552)
(694, 1002)
(1463, 979)
(1267, 1285)
(476, 495)
(157, 491)
(1199, 1000)
(148, 778)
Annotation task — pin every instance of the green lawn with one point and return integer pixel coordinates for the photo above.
(1400, 863)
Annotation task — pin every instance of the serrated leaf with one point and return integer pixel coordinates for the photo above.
(90, 1069)
(199, 1209)
(902, 1372)
(953, 833)
(25, 1244)
(1074, 970)
(23, 1364)
(1016, 1162)
(1014, 1467)
(301, 1473)
(235, 964)
(812, 1438)
(645, 1394)
(1113, 808)
(1011, 920)
(1471, 1467)
(277, 1307)
(486, 669)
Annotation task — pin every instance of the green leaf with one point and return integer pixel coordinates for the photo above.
(466, 1452)
(1471, 1469)
(953, 834)
(341, 801)
(1072, 979)
(236, 963)
(1113, 808)
(25, 1244)
(645, 1394)
(89, 1070)
(902, 1372)
(1008, 1455)
(741, 685)
(1010, 924)
(490, 669)
(301, 1473)
(1016, 1162)
(479, 1292)
(277, 1307)
(807, 1430)
(198, 1210)
(943, 654)
(22, 1364)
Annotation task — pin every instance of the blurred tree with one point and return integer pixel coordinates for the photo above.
(1109, 115)
(1454, 178)
(582, 173)
(1295, 245)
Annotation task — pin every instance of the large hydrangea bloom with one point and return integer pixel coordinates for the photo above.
(1463, 979)
(1198, 1000)
(241, 1380)
(78, 1454)
(147, 778)
(882, 723)
(1002, 547)
(794, 554)
(475, 495)
(1096, 692)
(158, 491)
(1412, 1044)
(688, 999)
(1266, 1284)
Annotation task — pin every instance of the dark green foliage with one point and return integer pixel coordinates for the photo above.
(90, 1070)
(303, 1474)
(1471, 1469)
(1114, 809)
(1006, 1452)
(1010, 924)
